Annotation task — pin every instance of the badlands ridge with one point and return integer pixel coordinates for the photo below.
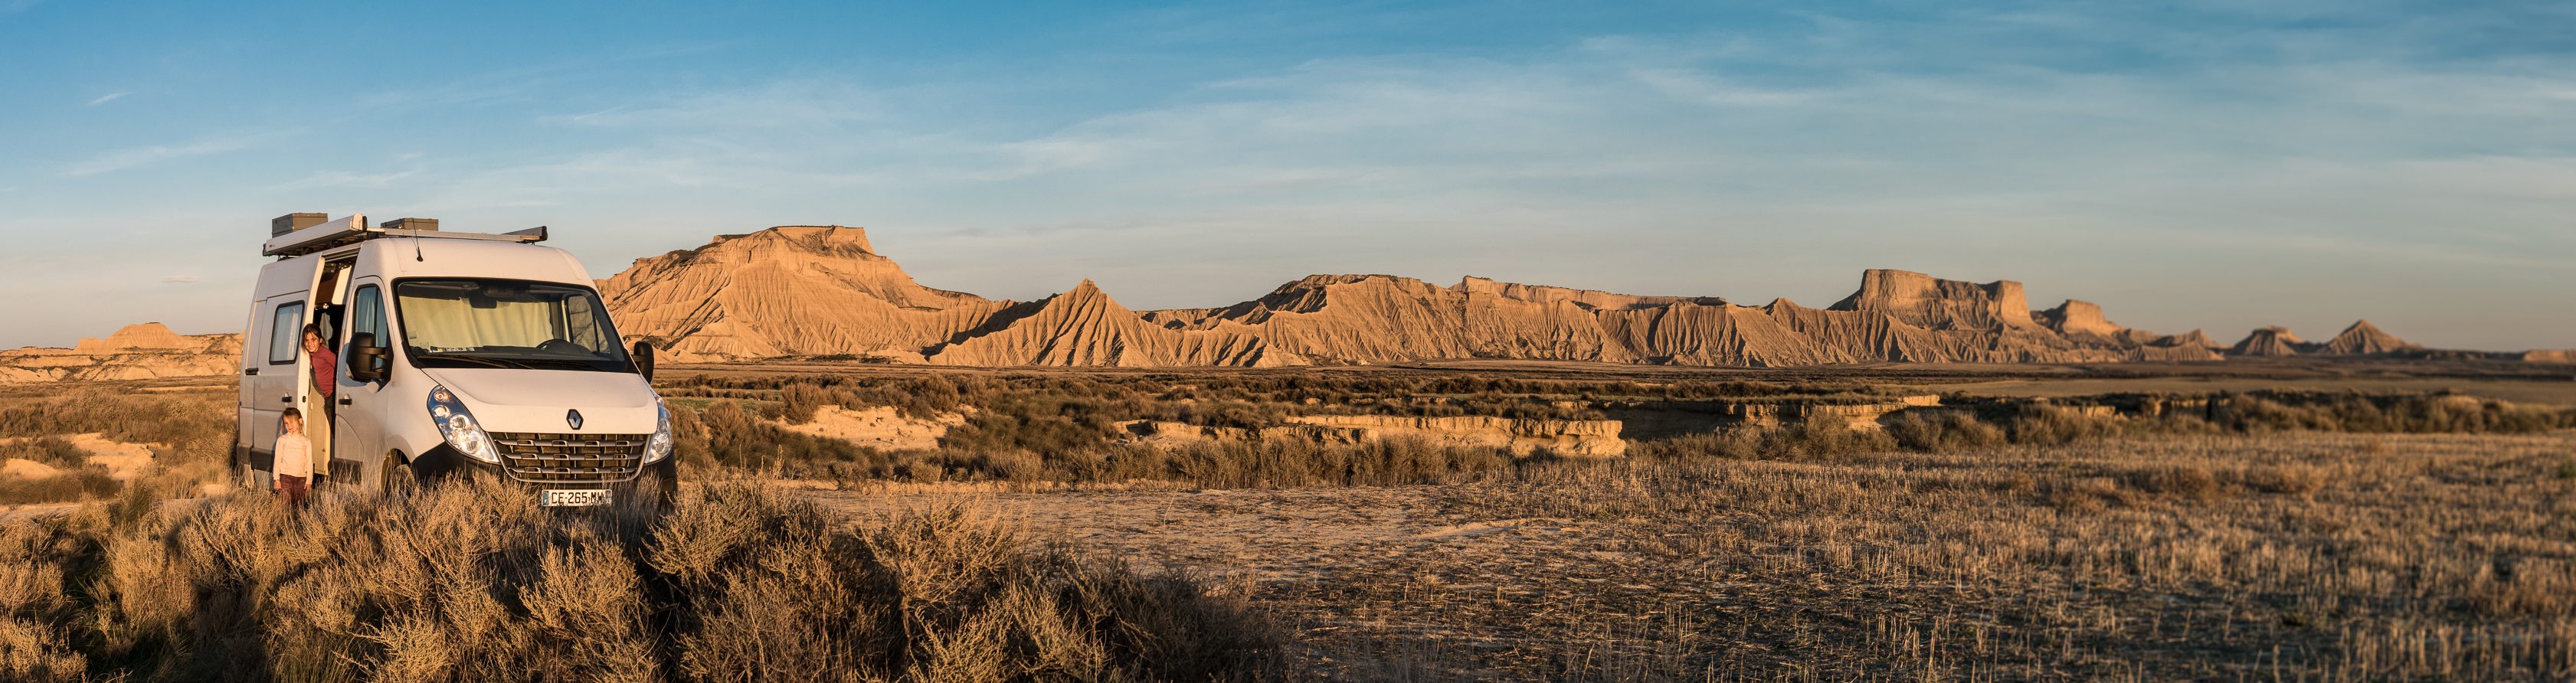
(808, 291)
(823, 290)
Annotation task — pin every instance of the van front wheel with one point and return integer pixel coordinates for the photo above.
(398, 477)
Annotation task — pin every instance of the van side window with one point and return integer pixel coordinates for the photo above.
(286, 334)
(367, 316)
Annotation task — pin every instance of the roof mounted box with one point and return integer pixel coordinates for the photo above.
(294, 221)
(349, 230)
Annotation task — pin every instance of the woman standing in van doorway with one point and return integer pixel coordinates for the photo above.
(326, 379)
(294, 460)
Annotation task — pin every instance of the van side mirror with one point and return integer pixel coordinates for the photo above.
(367, 361)
(644, 359)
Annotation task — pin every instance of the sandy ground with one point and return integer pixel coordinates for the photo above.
(124, 461)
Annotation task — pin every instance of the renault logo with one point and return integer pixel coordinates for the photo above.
(573, 417)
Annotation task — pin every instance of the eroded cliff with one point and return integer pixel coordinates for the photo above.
(822, 290)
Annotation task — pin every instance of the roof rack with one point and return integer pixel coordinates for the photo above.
(353, 229)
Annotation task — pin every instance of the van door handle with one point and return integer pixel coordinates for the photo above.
(286, 399)
(344, 401)
(250, 371)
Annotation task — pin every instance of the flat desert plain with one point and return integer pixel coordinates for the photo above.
(2328, 556)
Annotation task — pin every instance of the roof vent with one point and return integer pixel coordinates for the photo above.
(410, 224)
(294, 221)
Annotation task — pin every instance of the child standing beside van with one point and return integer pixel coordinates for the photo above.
(294, 462)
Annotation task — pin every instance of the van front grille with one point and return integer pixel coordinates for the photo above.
(570, 458)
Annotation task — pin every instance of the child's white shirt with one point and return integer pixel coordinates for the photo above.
(294, 456)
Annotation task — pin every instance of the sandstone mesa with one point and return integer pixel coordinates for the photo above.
(145, 351)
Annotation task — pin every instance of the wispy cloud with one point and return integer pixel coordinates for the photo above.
(343, 179)
(184, 278)
(525, 81)
(142, 156)
(110, 96)
(16, 6)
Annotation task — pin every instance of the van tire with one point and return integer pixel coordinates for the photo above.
(397, 476)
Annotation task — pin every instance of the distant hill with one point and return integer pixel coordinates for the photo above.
(145, 351)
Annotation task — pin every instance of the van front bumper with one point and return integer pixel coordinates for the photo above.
(445, 461)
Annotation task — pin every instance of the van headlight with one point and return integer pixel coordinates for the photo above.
(458, 426)
(659, 447)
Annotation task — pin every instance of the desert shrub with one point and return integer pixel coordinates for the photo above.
(2048, 425)
(928, 396)
(802, 400)
(174, 419)
(86, 483)
(1823, 440)
(1945, 432)
(75, 479)
(724, 435)
(51, 451)
(691, 442)
(1027, 431)
(1257, 464)
(474, 583)
(2090, 495)
(2440, 412)
(1737, 444)
(1383, 462)
(2292, 479)
(2179, 481)
(1074, 428)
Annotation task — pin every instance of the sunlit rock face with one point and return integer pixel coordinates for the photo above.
(822, 290)
(792, 290)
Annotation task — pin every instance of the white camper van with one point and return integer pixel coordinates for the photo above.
(482, 355)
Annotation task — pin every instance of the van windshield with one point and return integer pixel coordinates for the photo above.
(507, 324)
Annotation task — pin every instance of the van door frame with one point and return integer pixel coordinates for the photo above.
(364, 405)
(329, 466)
(265, 415)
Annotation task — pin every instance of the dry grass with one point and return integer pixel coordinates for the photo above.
(2026, 542)
(467, 583)
(2213, 557)
(193, 427)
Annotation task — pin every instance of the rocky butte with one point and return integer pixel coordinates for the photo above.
(145, 351)
(823, 290)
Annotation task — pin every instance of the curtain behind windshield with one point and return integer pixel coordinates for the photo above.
(507, 320)
(440, 324)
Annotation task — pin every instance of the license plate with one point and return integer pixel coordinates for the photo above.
(573, 497)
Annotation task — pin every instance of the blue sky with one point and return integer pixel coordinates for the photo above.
(2216, 165)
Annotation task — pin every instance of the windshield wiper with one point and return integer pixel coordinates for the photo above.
(494, 362)
(579, 364)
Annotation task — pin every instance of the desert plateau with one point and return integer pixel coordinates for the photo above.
(1406, 341)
